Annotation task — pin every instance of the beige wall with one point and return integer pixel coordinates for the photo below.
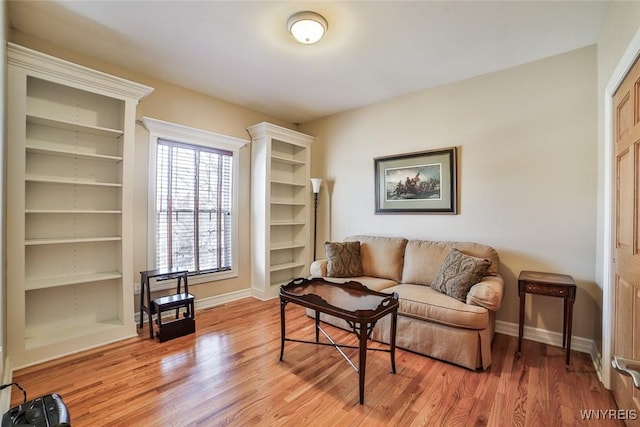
(527, 140)
(182, 106)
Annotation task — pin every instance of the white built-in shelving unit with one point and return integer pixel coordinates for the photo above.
(69, 206)
(281, 235)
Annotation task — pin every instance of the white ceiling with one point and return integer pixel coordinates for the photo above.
(240, 51)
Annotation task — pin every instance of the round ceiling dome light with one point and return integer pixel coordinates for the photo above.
(307, 27)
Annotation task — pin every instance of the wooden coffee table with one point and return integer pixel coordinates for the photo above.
(351, 301)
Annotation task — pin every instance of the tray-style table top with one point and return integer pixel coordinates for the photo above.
(350, 300)
(547, 278)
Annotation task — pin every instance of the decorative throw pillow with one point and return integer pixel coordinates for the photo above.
(458, 273)
(343, 259)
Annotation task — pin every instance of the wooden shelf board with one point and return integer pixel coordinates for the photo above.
(284, 223)
(287, 160)
(52, 282)
(284, 246)
(293, 184)
(71, 153)
(57, 241)
(287, 203)
(57, 180)
(77, 127)
(71, 211)
(58, 331)
(286, 266)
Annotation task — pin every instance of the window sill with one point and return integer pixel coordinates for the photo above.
(193, 280)
(212, 277)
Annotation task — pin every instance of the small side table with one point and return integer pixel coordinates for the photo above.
(553, 285)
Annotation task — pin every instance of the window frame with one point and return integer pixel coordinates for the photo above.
(159, 129)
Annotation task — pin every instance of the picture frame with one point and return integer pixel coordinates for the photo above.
(420, 182)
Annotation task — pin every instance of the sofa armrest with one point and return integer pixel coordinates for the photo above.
(487, 293)
(319, 268)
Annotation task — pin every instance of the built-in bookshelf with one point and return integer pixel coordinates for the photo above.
(280, 207)
(69, 206)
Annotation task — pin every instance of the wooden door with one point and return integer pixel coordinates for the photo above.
(626, 339)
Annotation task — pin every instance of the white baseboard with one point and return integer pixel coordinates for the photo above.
(209, 302)
(222, 299)
(544, 336)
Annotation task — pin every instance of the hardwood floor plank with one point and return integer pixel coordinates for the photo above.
(228, 374)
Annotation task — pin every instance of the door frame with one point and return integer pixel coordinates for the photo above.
(624, 65)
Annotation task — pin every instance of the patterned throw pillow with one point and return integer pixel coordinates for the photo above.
(343, 259)
(458, 273)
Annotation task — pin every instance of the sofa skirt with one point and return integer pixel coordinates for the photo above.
(469, 348)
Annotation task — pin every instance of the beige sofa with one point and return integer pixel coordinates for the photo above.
(429, 322)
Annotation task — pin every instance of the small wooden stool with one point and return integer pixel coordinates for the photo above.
(178, 327)
(180, 299)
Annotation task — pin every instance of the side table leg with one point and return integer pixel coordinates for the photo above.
(283, 303)
(362, 360)
(392, 343)
(317, 326)
(564, 322)
(569, 320)
(521, 324)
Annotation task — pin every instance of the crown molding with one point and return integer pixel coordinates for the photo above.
(56, 69)
(173, 131)
(266, 129)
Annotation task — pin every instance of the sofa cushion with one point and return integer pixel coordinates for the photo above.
(425, 303)
(481, 251)
(423, 258)
(422, 261)
(381, 256)
(343, 259)
(458, 273)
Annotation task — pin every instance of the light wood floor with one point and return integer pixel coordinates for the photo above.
(228, 373)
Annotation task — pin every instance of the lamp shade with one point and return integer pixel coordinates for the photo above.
(316, 183)
(307, 27)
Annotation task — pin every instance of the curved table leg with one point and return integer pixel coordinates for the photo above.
(283, 303)
(362, 360)
(392, 343)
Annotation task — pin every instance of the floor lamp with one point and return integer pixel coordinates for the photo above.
(315, 184)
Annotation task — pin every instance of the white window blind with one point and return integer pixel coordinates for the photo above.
(194, 202)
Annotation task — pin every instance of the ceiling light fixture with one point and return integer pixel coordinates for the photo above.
(307, 27)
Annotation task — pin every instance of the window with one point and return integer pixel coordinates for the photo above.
(192, 200)
(193, 207)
